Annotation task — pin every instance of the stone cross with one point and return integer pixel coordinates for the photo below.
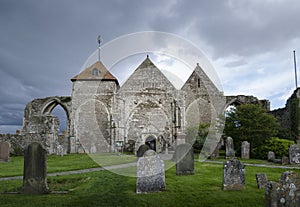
(233, 175)
(184, 157)
(245, 150)
(261, 180)
(34, 179)
(294, 154)
(285, 192)
(229, 148)
(4, 151)
(150, 173)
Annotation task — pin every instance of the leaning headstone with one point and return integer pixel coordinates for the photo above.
(285, 192)
(245, 150)
(233, 175)
(4, 151)
(271, 156)
(150, 173)
(184, 157)
(34, 179)
(294, 154)
(229, 148)
(142, 149)
(261, 180)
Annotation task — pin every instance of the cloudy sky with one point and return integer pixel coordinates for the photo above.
(43, 43)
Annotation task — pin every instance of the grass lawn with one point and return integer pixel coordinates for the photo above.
(104, 188)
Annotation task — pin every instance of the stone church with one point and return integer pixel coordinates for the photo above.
(103, 116)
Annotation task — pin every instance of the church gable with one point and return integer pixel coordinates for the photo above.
(147, 77)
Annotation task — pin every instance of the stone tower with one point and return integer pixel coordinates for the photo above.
(92, 101)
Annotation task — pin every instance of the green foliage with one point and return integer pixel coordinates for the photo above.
(196, 135)
(250, 123)
(279, 146)
(294, 116)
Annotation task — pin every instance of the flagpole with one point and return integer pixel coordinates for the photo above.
(295, 67)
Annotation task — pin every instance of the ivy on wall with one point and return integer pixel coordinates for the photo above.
(295, 117)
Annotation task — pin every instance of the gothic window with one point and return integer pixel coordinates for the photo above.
(198, 82)
(95, 72)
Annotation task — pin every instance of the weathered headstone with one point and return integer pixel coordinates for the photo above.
(271, 156)
(229, 148)
(285, 192)
(34, 179)
(245, 150)
(150, 173)
(180, 139)
(285, 160)
(233, 175)
(60, 150)
(4, 151)
(261, 180)
(184, 157)
(142, 149)
(294, 154)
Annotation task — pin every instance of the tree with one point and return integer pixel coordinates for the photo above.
(250, 123)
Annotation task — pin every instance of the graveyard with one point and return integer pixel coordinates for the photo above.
(105, 188)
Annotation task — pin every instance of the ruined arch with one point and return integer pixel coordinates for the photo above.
(51, 104)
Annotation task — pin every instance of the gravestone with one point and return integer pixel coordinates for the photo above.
(4, 151)
(180, 139)
(285, 192)
(60, 150)
(34, 179)
(229, 148)
(233, 175)
(294, 154)
(184, 157)
(142, 149)
(245, 150)
(285, 160)
(261, 180)
(271, 156)
(150, 173)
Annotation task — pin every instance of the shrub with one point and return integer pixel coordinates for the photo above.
(279, 146)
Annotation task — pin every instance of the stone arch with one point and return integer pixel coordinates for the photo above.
(145, 119)
(48, 107)
(241, 99)
(151, 142)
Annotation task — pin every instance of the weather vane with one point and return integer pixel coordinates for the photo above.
(99, 42)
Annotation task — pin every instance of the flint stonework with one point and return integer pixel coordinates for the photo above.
(4, 151)
(150, 173)
(285, 192)
(184, 157)
(233, 175)
(34, 178)
(294, 154)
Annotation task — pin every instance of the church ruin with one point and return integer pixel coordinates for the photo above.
(146, 109)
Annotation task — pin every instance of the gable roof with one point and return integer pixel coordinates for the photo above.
(95, 72)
